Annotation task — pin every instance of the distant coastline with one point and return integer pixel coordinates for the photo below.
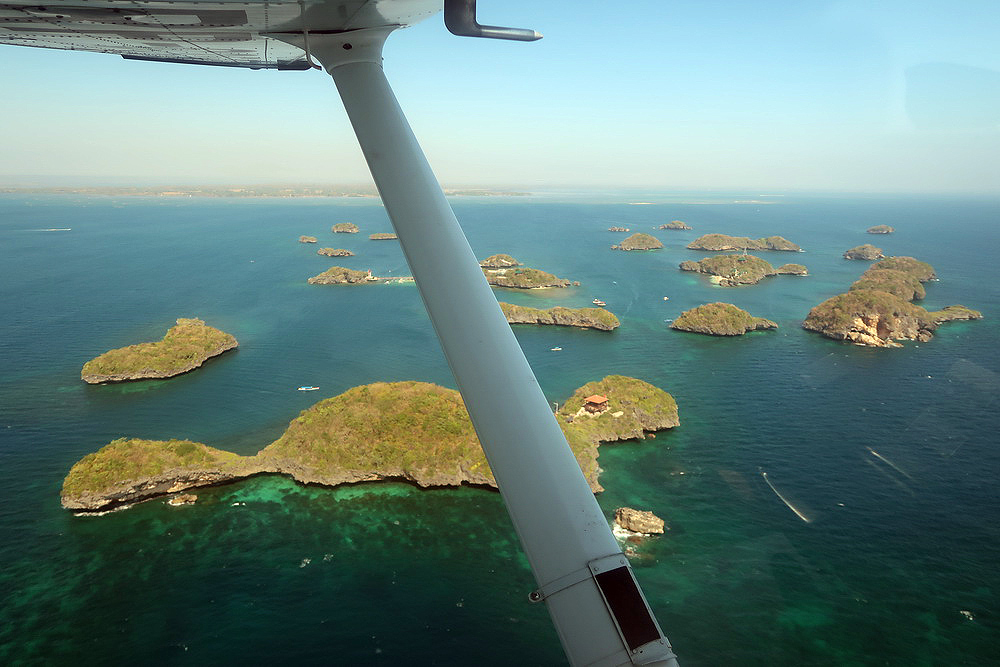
(232, 191)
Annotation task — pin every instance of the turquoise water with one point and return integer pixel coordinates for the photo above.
(266, 571)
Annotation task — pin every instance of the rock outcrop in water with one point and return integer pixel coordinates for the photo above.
(792, 270)
(410, 431)
(720, 319)
(639, 521)
(345, 228)
(334, 252)
(866, 252)
(307, 239)
(877, 312)
(725, 242)
(675, 224)
(338, 275)
(587, 318)
(382, 236)
(183, 348)
(881, 229)
(639, 241)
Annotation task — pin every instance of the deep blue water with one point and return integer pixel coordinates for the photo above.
(389, 574)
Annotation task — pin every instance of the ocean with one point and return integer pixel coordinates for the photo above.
(898, 563)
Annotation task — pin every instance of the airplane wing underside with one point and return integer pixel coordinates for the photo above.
(246, 33)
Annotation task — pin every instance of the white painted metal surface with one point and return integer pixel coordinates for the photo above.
(560, 524)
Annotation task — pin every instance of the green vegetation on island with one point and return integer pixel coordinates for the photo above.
(338, 275)
(732, 270)
(639, 241)
(881, 229)
(411, 431)
(499, 261)
(720, 319)
(307, 239)
(588, 318)
(523, 278)
(675, 224)
(719, 242)
(183, 348)
(866, 252)
(334, 252)
(877, 311)
(345, 228)
(382, 236)
(792, 270)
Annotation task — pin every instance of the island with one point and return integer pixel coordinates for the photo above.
(675, 224)
(792, 270)
(184, 347)
(720, 319)
(866, 252)
(408, 431)
(881, 229)
(639, 241)
(639, 522)
(338, 275)
(518, 277)
(618, 229)
(719, 242)
(500, 261)
(334, 252)
(732, 270)
(877, 312)
(345, 228)
(307, 239)
(382, 236)
(586, 318)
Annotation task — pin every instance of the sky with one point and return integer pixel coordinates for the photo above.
(780, 95)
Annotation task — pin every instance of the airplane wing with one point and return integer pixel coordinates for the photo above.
(247, 33)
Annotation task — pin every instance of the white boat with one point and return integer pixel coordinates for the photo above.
(598, 302)
(555, 349)
(308, 388)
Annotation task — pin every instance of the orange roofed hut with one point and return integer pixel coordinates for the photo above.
(595, 403)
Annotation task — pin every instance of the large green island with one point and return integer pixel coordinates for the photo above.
(184, 347)
(720, 319)
(736, 270)
(725, 242)
(410, 431)
(877, 312)
(587, 318)
(505, 271)
(639, 241)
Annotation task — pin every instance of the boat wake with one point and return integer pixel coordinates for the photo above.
(782, 498)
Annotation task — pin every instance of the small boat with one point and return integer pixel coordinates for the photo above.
(555, 349)
(598, 302)
(666, 298)
(308, 388)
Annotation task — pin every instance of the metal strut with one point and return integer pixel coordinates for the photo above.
(602, 620)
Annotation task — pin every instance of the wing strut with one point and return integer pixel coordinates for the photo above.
(599, 612)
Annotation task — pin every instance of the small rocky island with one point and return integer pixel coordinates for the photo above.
(675, 224)
(338, 275)
(345, 228)
(412, 431)
(881, 229)
(792, 270)
(866, 252)
(736, 270)
(587, 318)
(877, 312)
(334, 252)
(639, 241)
(618, 229)
(184, 347)
(500, 261)
(718, 242)
(307, 239)
(720, 319)
(382, 236)
(640, 522)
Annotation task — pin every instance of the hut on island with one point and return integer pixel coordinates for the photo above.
(595, 404)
